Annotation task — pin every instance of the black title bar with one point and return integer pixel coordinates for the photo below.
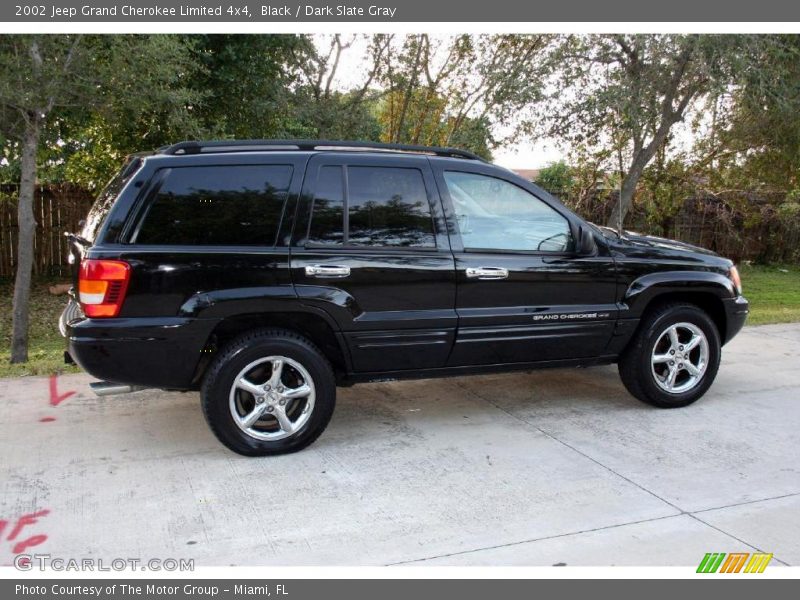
(462, 11)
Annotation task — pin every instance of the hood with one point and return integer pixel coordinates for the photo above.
(639, 240)
(637, 245)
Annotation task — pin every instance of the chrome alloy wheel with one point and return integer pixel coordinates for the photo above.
(272, 398)
(680, 358)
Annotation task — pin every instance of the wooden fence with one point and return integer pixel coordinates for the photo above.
(56, 208)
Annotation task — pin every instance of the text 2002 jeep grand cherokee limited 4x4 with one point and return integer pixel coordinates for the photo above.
(265, 273)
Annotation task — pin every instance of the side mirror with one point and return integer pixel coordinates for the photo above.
(586, 245)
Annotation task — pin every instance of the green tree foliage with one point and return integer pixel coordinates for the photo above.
(556, 177)
(321, 109)
(214, 86)
(475, 135)
(470, 91)
(425, 121)
(244, 81)
(459, 87)
(665, 186)
(334, 116)
(627, 92)
(50, 82)
(85, 141)
(754, 141)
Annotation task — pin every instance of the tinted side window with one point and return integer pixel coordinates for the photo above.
(388, 207)
(224, 205)
(105, 200)
(494, 214)
(384, 207)
(327, 214)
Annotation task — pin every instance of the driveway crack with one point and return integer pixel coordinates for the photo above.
(738, 539)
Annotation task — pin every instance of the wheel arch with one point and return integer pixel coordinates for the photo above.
(704, 289)
(317, 328)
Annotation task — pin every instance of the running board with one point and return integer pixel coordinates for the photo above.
(106, 388)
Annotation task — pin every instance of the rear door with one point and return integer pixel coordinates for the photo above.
(370, 250)
(524, 295)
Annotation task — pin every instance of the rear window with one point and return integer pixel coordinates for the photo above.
(217, 206)
(384, 207)
(327, 220)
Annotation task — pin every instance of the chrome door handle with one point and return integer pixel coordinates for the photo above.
(329, 271)
(487, 273)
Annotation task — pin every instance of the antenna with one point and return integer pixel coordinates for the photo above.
(619, 196)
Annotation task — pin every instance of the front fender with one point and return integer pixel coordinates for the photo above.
(646, 288)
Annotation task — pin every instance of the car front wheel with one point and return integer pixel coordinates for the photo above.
(673, 358)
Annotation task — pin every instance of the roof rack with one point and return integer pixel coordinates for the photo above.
(202, 147)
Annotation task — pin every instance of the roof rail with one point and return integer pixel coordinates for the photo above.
(202, 147)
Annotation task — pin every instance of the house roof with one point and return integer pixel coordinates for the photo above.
(529, 174)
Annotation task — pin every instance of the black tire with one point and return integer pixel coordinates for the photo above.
(216, 393)
(635, 366)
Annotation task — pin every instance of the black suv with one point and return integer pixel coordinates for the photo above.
(265, 273)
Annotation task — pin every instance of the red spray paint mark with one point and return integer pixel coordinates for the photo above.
(20, 524)
(32, 541)
(29, 519)
(55, 398)
(47, 419)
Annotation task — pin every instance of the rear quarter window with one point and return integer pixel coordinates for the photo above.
(105, 200)
(237, 205)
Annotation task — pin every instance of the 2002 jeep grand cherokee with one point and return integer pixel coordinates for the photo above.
(265, 273)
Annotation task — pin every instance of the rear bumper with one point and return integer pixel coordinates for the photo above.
(159, 352)
(736, 311)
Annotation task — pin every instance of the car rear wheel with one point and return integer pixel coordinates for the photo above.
(673, 358)
(269, 392)
(71, 312)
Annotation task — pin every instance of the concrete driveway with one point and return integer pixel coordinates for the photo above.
(540, 468)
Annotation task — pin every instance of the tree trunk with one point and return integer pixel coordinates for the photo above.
(412, 84)
(27, 229)
(625, 201)
(641, 159)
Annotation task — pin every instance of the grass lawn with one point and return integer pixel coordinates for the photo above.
(773, 291)
(46, 346)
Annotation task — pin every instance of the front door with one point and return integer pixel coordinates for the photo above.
(370, 249)
(523, 294)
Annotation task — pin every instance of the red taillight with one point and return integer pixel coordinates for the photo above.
(102, 285)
